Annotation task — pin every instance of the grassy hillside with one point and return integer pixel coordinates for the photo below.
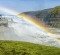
(25, 48)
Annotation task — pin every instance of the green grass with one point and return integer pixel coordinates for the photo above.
(25, 48)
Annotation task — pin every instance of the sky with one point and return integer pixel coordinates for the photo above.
(29, 5)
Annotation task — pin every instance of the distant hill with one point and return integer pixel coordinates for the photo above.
(38, 14)
(51, 16)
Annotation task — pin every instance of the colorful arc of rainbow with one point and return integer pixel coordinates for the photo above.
(31, 20)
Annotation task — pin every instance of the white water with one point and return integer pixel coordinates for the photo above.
(20, 30)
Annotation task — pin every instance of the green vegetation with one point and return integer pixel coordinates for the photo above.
(25, 48)
(55, 9)
(54, 18)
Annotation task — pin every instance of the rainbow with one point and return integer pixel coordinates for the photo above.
(39, 25)
(29, 19)
(8, 10)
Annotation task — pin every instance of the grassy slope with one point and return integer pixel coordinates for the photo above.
(25, 48)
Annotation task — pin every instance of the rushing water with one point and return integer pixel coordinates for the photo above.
(21, 30)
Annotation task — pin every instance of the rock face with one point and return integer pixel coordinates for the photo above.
(3, 21)
(51, 17)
